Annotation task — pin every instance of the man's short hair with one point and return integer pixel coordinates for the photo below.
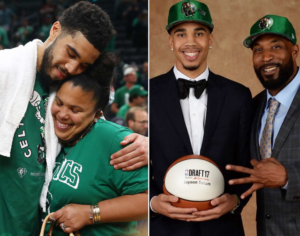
(131, 113)
(97, 79)
(91, 21)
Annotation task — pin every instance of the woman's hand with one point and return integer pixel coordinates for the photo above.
(120, 209)
(73, 216)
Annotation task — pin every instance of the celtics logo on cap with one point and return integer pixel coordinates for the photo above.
(189, 9)
(265, 23)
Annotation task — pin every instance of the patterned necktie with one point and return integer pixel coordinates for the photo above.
(266, 137)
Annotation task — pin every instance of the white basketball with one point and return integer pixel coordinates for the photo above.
(194, 179)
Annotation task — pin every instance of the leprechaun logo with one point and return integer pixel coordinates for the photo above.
(265, 23)
(189, 9)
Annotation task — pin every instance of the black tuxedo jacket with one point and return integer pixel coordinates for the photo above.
(226, 141)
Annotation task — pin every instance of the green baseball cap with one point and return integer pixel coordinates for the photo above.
(271, 24)
(189, 11)
(138, 90)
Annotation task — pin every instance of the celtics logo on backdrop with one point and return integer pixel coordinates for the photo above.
(265, 23)
(189, 9)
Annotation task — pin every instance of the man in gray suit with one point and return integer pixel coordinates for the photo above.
(275, 136)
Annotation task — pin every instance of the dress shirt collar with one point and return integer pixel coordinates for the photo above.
(287, 94)
(178, 75)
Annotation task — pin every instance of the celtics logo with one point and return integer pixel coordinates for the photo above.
(21, 171)
(265, 23)
(189, 9)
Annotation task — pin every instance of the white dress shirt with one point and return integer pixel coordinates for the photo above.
(194, 111)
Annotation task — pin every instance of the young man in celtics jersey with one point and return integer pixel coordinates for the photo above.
(28, 146)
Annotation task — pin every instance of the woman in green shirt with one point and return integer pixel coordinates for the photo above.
(83, 175)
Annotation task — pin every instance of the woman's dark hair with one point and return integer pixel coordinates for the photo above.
(91, 21)
(97, 79)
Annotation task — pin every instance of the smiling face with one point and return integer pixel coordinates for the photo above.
(67, 56)
(190, 42)
(274, 61)
(72, 111)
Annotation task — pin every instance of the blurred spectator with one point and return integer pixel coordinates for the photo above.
(130, 14)
(3, 38)
(119, 121)
(144, 76)
(64, 3)
(107, 113)
(58, 11)
(75, 1)
(120, 6)
(121, 95)
(137, 98)
(48, 8)
(23, 34)
(14, 6)
(7, 16)
(1, 47)
(140, 30)
(137, 120)
(46, 26)
(143, 5)
(111, 46)
(119, 75)
(61, 5)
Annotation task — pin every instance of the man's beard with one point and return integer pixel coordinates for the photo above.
(46, 80)
(285, 73)
(190, 68)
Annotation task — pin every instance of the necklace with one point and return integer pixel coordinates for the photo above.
(64, 156)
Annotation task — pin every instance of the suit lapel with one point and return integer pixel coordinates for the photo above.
(287, 124)
(215, 99)
(170, 100)
(256, 126)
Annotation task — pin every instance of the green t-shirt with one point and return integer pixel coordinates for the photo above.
(121, 96)
(83, 175)
(23, 174)
(122, 111)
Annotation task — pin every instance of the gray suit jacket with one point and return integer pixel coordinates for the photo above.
(278, 210)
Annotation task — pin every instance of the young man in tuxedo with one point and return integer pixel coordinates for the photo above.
(194, 111)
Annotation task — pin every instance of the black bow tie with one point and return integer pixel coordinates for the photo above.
(185, 85)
